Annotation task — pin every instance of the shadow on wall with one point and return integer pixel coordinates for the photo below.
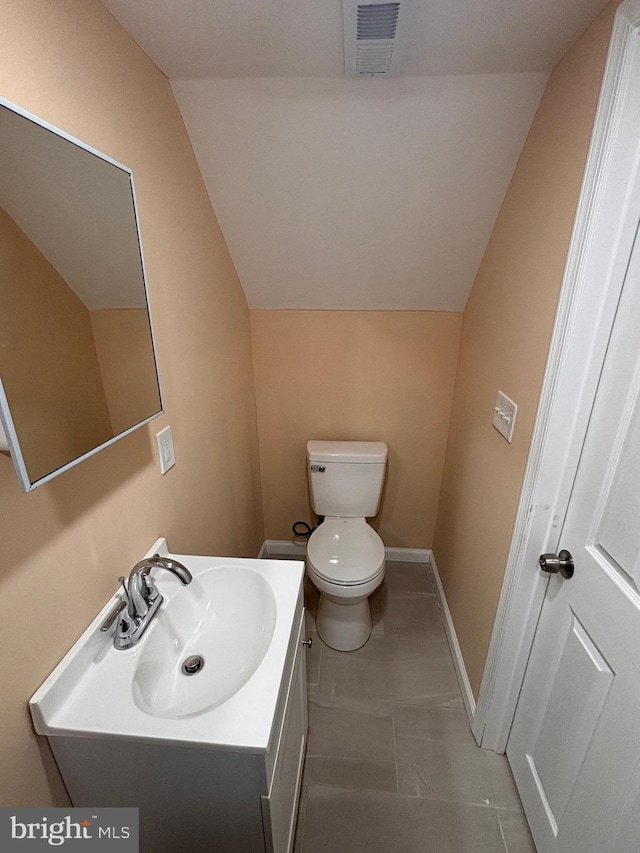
(390, 488)
(54, 780)
(34, 518)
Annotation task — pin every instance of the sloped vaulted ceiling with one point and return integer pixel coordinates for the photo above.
(356, 193)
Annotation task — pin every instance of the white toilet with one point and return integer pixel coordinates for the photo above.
(345, 556)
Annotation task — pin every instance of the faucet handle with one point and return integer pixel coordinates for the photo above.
(148, 589)
(151, 591)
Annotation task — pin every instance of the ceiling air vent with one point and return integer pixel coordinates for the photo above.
(372, 33)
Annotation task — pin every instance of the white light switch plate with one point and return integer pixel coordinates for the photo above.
(504, 415)
(166, 453)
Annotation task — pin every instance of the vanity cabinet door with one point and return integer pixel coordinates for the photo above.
(280, 808)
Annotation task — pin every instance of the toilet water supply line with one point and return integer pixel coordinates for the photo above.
(307, 529)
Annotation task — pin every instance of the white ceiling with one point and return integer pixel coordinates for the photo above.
(339, 193)
(303, 38)
(358, 193)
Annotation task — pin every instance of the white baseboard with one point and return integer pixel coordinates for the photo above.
(282, 548)
(407, 555)
(454, 645)
(287, 548)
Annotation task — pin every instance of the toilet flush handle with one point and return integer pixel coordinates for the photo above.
(308, 642)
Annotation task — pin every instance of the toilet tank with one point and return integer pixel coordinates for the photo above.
(346, 477)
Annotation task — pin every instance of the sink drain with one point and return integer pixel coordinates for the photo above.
(192, 664)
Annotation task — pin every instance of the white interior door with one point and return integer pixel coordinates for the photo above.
(574, 747)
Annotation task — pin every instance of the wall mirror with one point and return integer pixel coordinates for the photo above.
(77, 360)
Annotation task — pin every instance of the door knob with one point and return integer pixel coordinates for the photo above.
(554, 563)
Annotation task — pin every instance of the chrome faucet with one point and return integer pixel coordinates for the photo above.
(144, 598)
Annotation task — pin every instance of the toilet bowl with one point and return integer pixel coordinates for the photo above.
(345, 556)
(346, 563)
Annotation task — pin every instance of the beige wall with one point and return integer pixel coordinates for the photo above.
(127, 366)
(48, 360)
(64, 545)
(505, 339)
(355, 375)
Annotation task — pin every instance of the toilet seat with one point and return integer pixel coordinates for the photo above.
(346, 552)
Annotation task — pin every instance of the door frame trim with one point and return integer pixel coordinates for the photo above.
(603, 233)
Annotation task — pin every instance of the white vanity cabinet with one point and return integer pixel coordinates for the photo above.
(285, 760)
(197, 798)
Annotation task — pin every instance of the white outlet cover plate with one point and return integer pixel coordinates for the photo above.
(166, 453)
(504, 415)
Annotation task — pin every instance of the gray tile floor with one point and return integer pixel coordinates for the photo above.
(391, 765)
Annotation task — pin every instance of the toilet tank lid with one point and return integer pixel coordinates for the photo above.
(347, 451)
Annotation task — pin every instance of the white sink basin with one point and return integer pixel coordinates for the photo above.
(237, 614)
(226, 616)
